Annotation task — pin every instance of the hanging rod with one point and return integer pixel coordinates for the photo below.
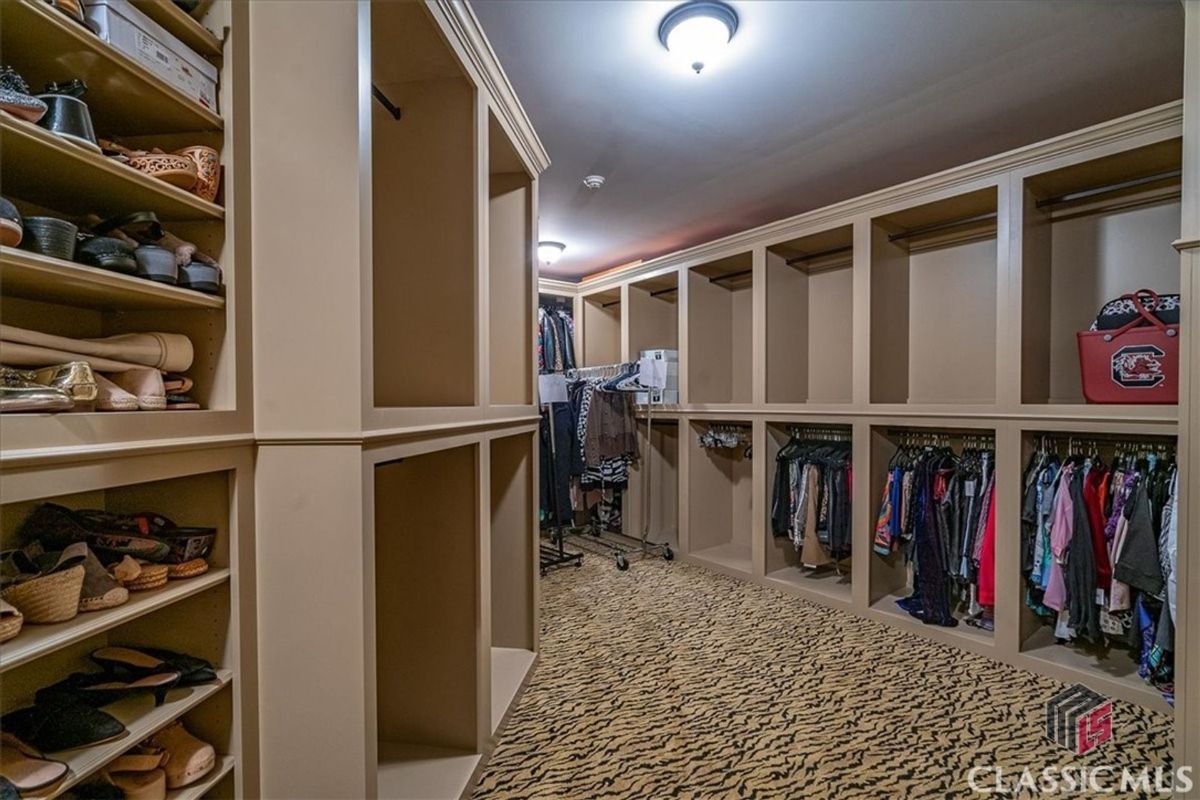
(391, 107)
(613, 303)
(941, 226)
(729, 275)
(1093, 191)
(833, 251)
(664, 291)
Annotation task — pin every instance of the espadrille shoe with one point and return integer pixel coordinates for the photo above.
(140, 773)
(152, 576)
(44, 587)
(188, 569)
(100, 589)
(11, 621)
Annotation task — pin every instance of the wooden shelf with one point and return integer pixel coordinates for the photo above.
(182, 25)
(124, 98)
(52, 172)
(141, 719)
(826, 583)
(1117, 670)
(201, 788)
(52, 280)
(35, 641)
(886, 606)
(409, 772)
(510, 667)
(735, 556)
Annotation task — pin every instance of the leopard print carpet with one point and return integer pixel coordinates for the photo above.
(672, 681)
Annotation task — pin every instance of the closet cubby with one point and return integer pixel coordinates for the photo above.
(1092, 232)
(720, 500)
(514, 557)
(783, 562)
(510, 271)
(933, 302)
(423, 212)
(601, 328)
(199, 616)
(654, 314)
(654, 481)
(890, 576)
(426, 612)
(1116, 663)
(810, 318)
(720, 331)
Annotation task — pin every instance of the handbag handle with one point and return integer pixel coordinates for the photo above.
(1144, 314)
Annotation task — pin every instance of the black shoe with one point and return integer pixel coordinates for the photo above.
(60, 724)
(99, 689)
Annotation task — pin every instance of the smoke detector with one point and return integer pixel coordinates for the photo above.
(593, 181)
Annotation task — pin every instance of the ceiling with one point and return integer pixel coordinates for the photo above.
(814, 102)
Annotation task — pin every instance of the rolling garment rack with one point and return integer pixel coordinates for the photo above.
(554, 554)
(625, 544)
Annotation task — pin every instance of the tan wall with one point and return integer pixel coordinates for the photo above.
(653, 322)
(509, 286)
(513, 512)
(830, 336)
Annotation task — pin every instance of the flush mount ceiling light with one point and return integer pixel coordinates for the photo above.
(548, 252)
(593, 181)
(697, 31)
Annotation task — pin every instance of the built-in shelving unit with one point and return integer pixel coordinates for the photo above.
(810, 318)
(652, 500)
(720, 310)
(946, 304)
(602, 321)
(654, 314)
(195, 467)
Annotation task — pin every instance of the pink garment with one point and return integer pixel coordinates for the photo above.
(1062, 525)
(987, 555)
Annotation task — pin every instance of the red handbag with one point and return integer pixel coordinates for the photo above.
(1136, 363)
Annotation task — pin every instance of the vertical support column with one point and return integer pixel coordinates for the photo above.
(1008, 540)
(862, 510)
(758, 488)
(483, 359)
(758, 342)
(483, 524)
(533, 302)
(1187, 651)
(685, 360)
(626, 313)
(1008, 314)
(860, 391)
(685, 459)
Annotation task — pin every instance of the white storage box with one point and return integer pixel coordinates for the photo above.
(149, 44)
(657, 397)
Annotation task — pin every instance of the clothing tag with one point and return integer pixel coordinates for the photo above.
(552, 388)
(1101, 600)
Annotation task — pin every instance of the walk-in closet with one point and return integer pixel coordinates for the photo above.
(494, 399)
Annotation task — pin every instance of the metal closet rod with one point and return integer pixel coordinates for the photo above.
(1093, 191)
(729, 275)
(664, 291)
(833, 251)
(941, 226)
(1106, 438)
(391, 107)
(613, 303)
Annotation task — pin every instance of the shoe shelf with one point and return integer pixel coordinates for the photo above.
(38, 277)
(141, 719)
(48, 170)
(182, 25)
(201, 789)
(35, 641)
(123, 96)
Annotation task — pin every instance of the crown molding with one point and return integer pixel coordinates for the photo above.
(555, 286)
(1165, 120)
(464, 25)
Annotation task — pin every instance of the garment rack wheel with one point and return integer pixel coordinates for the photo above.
(622, 562)
(667, 553)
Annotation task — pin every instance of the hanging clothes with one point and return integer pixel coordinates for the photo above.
(556, 339)
(938, 507)
(1098, 550)
(810, 499)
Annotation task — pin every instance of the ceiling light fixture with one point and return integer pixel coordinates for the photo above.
(594, 181)
(549, 252)
(697, 31)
